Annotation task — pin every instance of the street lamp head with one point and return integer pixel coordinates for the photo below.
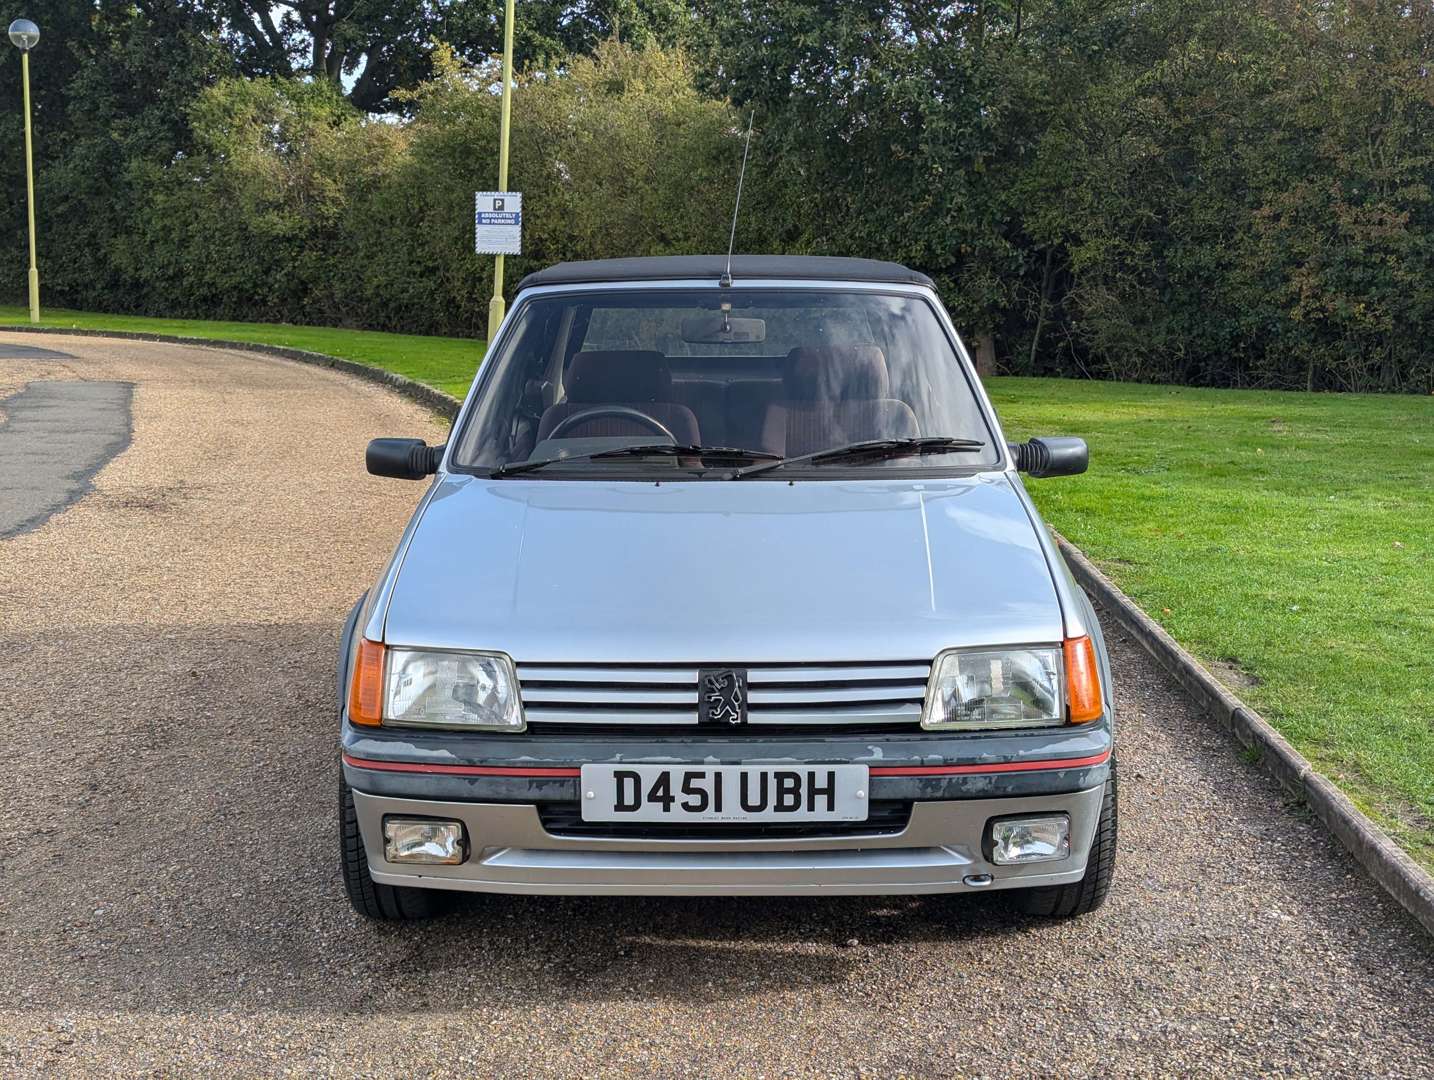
(24, 34)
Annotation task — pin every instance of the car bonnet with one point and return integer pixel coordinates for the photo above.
(711, 571)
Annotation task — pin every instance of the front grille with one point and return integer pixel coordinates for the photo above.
(620, 732)
(886, 817)
(867, 695)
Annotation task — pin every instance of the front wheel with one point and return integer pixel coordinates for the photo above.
(387, 903)
(1086, 895)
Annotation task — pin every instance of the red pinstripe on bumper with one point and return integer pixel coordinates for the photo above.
(524, 772)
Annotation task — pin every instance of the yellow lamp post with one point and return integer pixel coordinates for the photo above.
(25, 35)
(495, 306)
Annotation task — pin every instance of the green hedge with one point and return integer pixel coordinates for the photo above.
(293, 207)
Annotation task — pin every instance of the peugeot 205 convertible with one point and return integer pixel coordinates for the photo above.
(726, 584)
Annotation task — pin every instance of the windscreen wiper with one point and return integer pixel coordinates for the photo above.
(871, 449)
(728, 453)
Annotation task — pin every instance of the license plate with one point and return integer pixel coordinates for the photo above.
(724, 793)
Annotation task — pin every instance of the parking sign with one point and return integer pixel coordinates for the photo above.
(498, 223)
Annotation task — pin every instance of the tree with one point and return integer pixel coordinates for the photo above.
(899, 129)
(1342, 244)
(112, 83)
(374, 47)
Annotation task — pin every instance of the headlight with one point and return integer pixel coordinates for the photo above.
(424, 688)
(996, 688)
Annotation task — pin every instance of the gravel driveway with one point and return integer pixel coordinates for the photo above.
(170, 901)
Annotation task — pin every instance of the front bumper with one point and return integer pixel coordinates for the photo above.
(939, 850)
(954, 783)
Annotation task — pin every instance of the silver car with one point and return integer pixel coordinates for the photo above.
(726, 584)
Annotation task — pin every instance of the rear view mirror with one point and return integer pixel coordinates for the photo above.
(1051, 455)
(403, 459)
(722, 330)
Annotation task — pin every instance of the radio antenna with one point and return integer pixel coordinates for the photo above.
(726, 280)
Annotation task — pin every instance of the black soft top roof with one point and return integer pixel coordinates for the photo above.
(697, 267)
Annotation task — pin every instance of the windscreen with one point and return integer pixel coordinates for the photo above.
(780, 373)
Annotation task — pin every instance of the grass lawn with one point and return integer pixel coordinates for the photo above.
(1286, 539)
(447, 363)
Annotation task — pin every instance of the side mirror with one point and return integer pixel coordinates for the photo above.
(1051, 455)
(402, 459)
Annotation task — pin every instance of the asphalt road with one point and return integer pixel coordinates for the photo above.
(170, 901)
(57, 434)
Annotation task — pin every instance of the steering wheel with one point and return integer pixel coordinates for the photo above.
(611, 412)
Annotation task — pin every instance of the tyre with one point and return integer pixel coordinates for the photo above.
(388, 903)
(1086, 895)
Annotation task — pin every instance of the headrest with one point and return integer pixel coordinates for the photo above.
(836, 373)
(619, 375)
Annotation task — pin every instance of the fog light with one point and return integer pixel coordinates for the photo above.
(1030, 839)
(424, 840)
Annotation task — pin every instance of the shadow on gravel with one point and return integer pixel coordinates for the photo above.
(553, 950)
